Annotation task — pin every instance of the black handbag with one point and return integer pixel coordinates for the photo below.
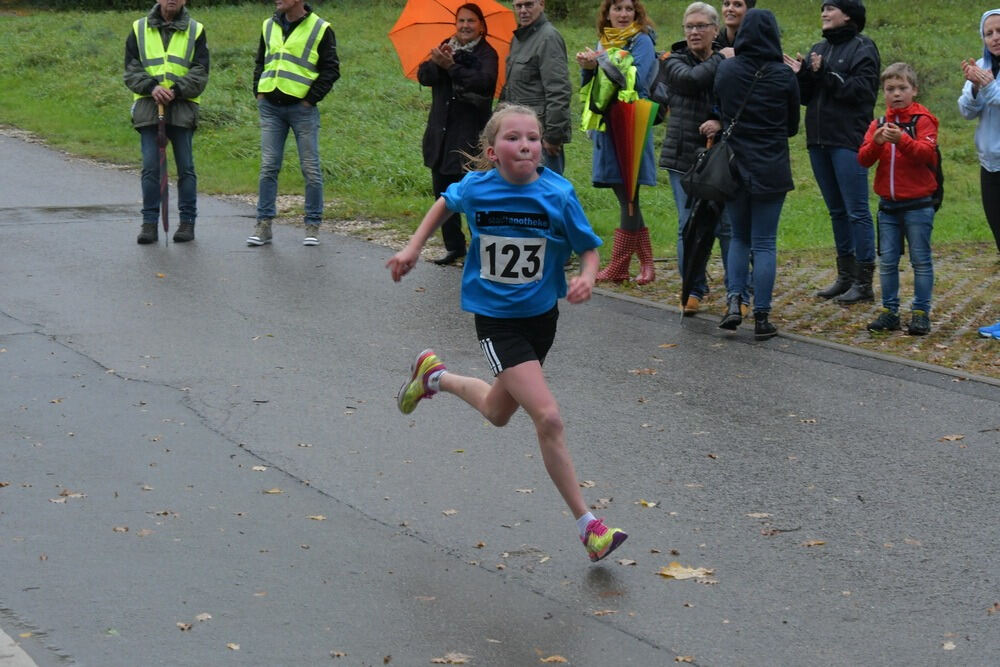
(715, 174)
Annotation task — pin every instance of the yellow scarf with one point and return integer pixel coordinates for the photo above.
(618, 37)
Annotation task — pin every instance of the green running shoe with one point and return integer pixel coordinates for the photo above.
(426, 364)
(601, 540)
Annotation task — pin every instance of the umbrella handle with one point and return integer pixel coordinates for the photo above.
(159, 111)
(711, 140)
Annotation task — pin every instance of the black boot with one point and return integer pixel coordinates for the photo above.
(734, 315)
(147, 234)
(762, 329)
(845, 278)
(861, 290)
(184, 233)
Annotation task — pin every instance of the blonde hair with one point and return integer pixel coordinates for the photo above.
(703, 8)
(480, 162)
(900, 71)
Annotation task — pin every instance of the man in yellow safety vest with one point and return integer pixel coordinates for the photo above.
(166, 62)
(296, 67)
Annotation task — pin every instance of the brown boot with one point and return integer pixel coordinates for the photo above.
(621, 256)
(644, 248)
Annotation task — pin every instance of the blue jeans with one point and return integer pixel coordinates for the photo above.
(275, 121)
(723, 232)
(917, 226)
(755, 230)
(556, 163)
(181, 139)
(844, 184)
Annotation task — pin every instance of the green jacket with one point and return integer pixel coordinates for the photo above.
(182, 112)
(538, 77)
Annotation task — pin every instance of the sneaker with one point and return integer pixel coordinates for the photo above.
(426, 364)
(920, 324)
(312, 235)
(184, 233)
(887, 320)
(261, 234)
(600, 540)
(990, 331)
(147, 234)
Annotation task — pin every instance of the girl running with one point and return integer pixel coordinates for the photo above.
(524, 222)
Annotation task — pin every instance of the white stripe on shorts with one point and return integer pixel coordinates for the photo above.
(491, 356)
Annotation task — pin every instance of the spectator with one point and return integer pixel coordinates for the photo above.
(981, 99)
(733, 12)
(839, 84)
(904, 143)
(296, 67)
(760, 142)
(537, 76)
(689, 74)
(462, 75)
(166, 63)
(623, 24)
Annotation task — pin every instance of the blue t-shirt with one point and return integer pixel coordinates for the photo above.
(522, 236)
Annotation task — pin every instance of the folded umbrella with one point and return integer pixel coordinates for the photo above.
(630, 126)
(698, 239)
(161, 143)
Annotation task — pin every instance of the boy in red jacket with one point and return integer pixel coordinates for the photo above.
(904, 143)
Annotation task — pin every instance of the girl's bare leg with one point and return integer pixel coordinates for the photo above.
(492, 401)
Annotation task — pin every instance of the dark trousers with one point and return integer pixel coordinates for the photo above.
(451, 230)
(989, 183)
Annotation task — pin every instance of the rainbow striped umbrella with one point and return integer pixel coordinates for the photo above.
(630, 126)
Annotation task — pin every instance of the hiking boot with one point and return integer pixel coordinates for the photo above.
(599, 540)
(261, 234)
(861, 290)
(184, 233)
(734, 313)
(147, 234)
(762, 329)
(920, 324)
(691, 306)
(312, 235)
(417, 387)
(887, 320)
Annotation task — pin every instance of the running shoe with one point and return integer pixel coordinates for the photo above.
(426, 364)
(988, 332)
(601, 540)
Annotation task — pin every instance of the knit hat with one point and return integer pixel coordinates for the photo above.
(855, 10)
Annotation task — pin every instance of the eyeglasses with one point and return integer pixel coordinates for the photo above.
(696, 27)
(518, 6)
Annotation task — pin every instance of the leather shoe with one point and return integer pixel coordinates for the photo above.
(450, 257)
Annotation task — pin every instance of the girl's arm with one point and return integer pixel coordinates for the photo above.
(403, 261)
(581, 286)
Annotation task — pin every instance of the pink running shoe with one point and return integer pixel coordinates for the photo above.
(600, 540)
(416, 388)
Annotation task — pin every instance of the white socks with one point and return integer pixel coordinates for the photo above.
(581, 523)
(434, 381)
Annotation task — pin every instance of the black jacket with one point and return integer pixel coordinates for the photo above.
(841, 96)
(771, 115)
(461, 102)
(328, 64)
(689, 82)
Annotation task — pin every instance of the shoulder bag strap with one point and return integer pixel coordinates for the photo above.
(746, 98)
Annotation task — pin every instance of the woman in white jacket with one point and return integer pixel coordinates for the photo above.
(981, 99)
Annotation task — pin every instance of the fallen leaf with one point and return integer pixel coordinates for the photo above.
(995, 609)
(951, 438)
(587, 484)
(684, 658)
(56, 400)
(316, 517)
(813, 543)
(605, 612)
(450, 512)
(161, 275)
(204, 616)
(525, 490)
(145, 532)
(480, 545)
(273, 491)
(677, 571)
(759, 515)
(259, 468)
(554, 658)
(948, 646)
(24, 635)
(453, 658)
(183, 626)
(667, 346)
(337, 654)
(120, 529)
(626, 561)
(645, 503)
(304, 444)
(643, 371)
(232, 646)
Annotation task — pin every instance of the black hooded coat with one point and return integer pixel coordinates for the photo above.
(771, 115)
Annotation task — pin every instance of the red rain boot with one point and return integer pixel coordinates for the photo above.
(647, 272)
(621, 256)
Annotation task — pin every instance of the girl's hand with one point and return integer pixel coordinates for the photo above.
(580, 288)
(402, 262)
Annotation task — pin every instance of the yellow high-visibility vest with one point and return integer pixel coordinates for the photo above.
(290, 65)
(166, 66)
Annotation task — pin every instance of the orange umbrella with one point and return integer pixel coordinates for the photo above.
(426, 23)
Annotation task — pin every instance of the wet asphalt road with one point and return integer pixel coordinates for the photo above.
(153, 396)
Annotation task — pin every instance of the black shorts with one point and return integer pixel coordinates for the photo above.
(508, 342)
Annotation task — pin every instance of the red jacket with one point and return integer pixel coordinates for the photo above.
(905, 170)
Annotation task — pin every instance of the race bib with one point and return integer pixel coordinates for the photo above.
(511, 260)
